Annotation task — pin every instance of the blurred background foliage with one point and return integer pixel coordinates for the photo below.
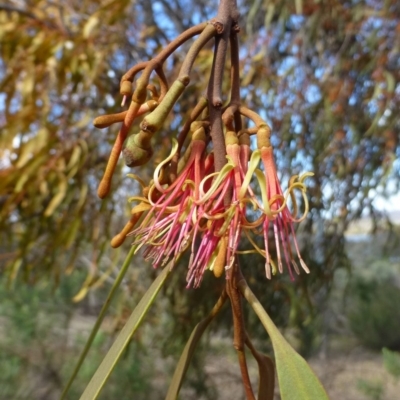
(325, 74)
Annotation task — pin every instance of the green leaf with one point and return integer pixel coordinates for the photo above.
(391, 361)
(91, 23)
(296, 379)
(110, 360)
(58, 197)
(390, 82)
(99, 320)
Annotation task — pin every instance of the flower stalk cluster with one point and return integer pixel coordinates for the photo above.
(217, 186)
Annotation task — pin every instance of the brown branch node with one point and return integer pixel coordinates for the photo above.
(235, 27)
(219, 26)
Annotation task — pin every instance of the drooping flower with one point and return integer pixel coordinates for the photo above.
(166, 230)
(221, 213)
(276, 211)
(207, 211)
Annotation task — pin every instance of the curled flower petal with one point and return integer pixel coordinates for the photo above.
(174, 149)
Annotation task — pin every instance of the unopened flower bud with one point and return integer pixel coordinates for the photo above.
(198, 131)
(231, 138)
(244, 139)
(220, 262)
(104, 121)
(264, 137)
(118, 239)
(155, 119)
(135, 151)
(126, 88)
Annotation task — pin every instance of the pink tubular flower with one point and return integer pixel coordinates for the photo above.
(167, 227)
(278, 215)
(208, 209)
(222, 222)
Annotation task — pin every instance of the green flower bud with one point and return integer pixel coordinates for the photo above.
(133, 154)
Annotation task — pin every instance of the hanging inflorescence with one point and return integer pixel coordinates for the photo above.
(217, 185)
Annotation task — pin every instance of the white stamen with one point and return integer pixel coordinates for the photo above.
(268, 270)
(303, 264)
(280, 266)
(295, 266)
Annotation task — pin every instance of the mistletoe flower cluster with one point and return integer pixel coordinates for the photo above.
(208, 212)
(212, 210)
(193, 202)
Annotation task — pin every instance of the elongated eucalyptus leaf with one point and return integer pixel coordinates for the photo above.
(296, 378)
(110, 360)
(186, 356)
(99, 320)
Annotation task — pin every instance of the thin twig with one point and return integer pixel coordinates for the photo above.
(239, 332)
(158, 61)
(246, 112)
(226, 18)
(235, 77)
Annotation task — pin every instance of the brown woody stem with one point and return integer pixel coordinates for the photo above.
(239, 332)
(207, 34)
(235, 79)
(231, 113)
(163, 83)
(157, 62)
(245, 375)
(226, 18)
(130, 75)
(151, 65)
(215, 113)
